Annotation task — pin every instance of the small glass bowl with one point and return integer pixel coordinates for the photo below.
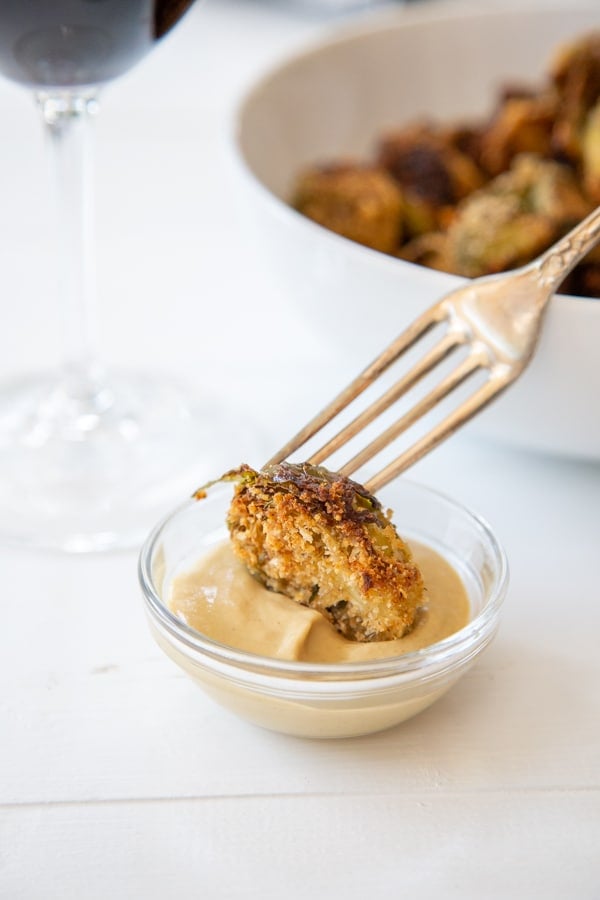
(321, 700)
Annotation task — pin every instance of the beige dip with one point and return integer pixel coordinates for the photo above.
(220, 599)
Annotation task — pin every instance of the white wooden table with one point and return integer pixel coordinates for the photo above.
(118, 777)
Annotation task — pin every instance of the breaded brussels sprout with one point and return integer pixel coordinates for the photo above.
(432, 171)
(327, 543)
(521, 124)
(515, 217)
(431, 250)
(590, 153)
(575, 74)
(358, 202)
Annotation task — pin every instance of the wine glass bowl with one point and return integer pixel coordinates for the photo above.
(70, 43)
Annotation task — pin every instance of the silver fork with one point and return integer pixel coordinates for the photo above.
(497, 319)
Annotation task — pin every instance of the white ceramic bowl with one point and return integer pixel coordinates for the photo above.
(333, 100)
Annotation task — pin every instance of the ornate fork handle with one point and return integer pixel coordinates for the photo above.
(554, 265)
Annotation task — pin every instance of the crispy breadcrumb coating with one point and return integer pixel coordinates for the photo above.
(327, 543)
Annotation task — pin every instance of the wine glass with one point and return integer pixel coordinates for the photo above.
(88, 457)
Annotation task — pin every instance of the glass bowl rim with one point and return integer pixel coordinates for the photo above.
(449, 651)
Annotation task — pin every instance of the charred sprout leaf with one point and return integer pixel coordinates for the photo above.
(243, 475)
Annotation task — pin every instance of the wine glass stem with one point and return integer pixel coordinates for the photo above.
(67, 119)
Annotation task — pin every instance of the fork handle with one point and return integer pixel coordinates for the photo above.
(555, 264)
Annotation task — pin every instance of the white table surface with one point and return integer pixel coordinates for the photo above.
(118, 777)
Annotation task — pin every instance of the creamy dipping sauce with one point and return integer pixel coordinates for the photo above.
(220, 599)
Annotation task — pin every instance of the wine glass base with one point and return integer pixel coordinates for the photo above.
(94, 471)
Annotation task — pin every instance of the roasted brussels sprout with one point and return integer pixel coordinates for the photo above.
(327, 543)
(575, 74)
(479, 197)
(433, 173)
(360, 203)
(515, 217)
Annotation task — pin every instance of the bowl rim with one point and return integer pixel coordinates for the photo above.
(437, 11)
(445, 653)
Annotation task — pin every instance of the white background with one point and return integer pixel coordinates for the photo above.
(118, 778)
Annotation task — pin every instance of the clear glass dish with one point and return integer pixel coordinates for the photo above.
(337, 699)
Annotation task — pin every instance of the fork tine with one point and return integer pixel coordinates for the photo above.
(470, 365)
(450, 341)
(417, 329)
(477, 401)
